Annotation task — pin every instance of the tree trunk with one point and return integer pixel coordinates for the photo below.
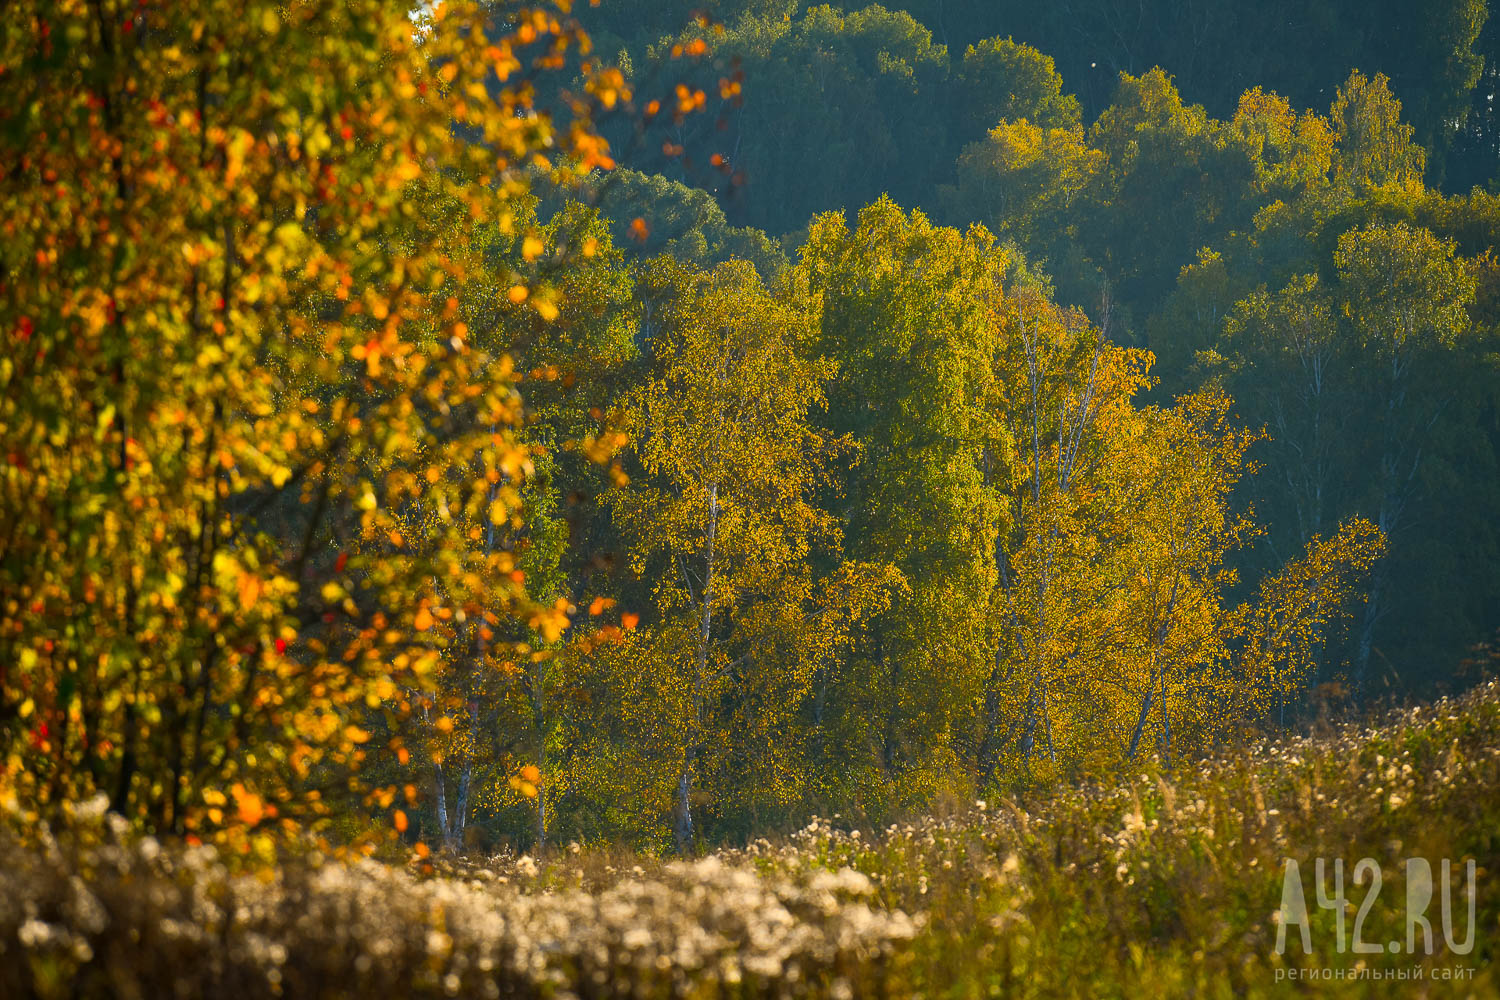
(538, 718)
(442, 802)
(1385, 522)
(683, 813)
(541, 819)
(682, 818)
(1367, 634)
(1140, 722)
(451, 826)
(892, 720)
(1028, 737)
(461, 811)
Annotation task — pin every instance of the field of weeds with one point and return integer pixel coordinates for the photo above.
(1169, 883)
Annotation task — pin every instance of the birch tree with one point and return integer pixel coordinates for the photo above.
(1406, 293)
(722, 518)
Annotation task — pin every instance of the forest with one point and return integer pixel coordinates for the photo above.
(671, 436)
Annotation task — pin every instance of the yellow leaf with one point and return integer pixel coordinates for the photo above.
(250, 589)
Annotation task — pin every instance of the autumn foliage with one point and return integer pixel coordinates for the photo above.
(362, 474)
(248, 438)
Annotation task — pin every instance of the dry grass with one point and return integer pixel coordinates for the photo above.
(1164, 884)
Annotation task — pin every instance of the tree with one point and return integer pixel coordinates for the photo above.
(906, 317)
(1406, 293)
(1298, 352)
(1002, 81)
(1375, 146)
(1124, 206)
(1117, 634)
(684, 221)
(723, 519)
(248, 437)
(1291, 152)
(1278, 641)
(1175, 181)
(1025, 181)
(639, 24)
(1362, 375)
(1475, 152)
(1216, 51)
(493, 709)
(812, 113)
(1266, 312)
(1064, 391)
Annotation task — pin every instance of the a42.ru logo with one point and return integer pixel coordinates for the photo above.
(1329, 894)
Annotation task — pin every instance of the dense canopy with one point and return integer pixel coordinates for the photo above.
(508, 423)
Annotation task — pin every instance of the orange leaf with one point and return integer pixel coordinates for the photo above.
(400, 821)
(250, 588)
(251, 808)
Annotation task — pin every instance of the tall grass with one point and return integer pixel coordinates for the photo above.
(1167, 883)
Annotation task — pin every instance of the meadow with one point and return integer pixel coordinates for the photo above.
(1167, 883)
